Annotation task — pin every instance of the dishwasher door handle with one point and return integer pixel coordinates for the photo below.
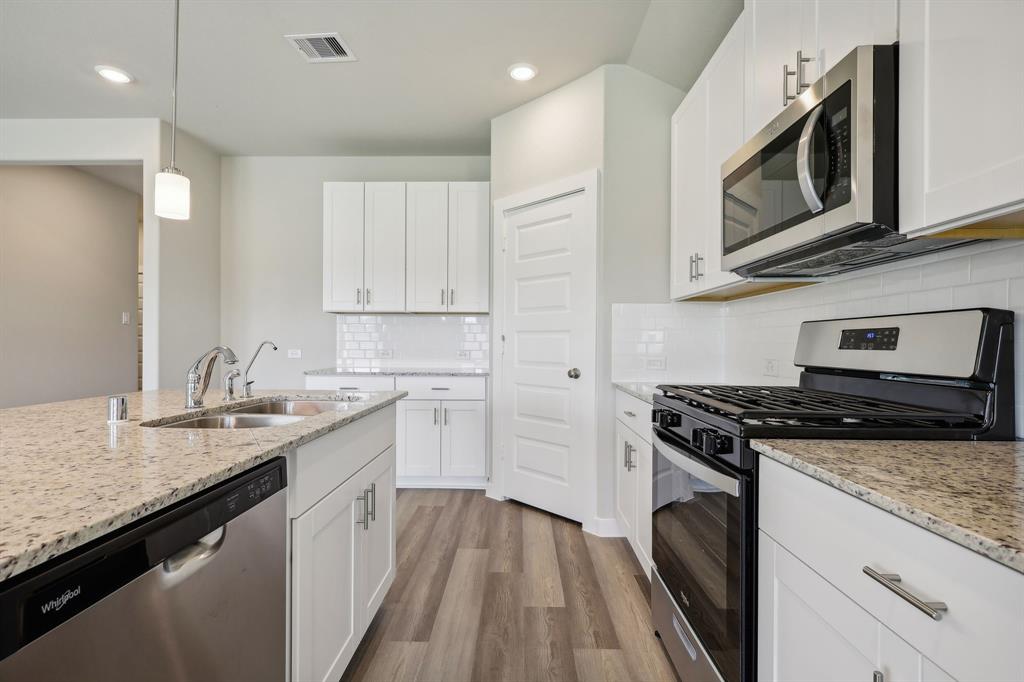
(195, 554)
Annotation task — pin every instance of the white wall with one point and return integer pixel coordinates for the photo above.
(742, 334)
(172, 332)
(68, 261)
(271, 250)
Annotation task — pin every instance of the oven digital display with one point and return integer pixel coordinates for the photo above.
(869, 339)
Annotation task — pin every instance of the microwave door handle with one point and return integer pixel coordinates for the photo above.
(803, 162)
(681, 460)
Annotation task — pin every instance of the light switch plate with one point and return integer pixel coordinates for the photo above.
(771, 367)
(294, 353)
(126, 318)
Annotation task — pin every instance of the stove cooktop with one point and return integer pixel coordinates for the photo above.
(789, 411)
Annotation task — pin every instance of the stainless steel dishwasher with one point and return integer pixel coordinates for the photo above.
(193, 592)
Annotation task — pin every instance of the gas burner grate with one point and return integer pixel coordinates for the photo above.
(788, 406)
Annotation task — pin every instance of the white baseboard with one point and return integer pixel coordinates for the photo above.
(604, 527)
(459, 483)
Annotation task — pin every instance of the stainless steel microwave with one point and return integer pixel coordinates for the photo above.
(814, 193)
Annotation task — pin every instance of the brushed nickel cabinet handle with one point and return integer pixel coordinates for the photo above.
(365, 521)
(372, 492)
(435, 416)
(446, 416)
(891, 582)
(451, 297)
(786, 97)
(359, 296)
(367, 296)
(629, 413)
(801, 85)
(630, 464)
(442, 296)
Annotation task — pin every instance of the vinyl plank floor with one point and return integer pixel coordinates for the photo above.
(489, 591)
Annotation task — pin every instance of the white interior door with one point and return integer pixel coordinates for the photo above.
(544, 418)
(426, 258)
(343, 246)
(385, 247)
(468, 231)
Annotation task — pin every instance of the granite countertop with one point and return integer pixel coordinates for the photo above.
(67, 477)
(969, 492)
(644, 390)
(399, 371)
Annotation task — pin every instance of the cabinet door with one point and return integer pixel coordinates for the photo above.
(776, 33)
(326, 627)
(464, 438)
(343, 246)
(385, 247)
(377, 560)
(625, 481)
(689, 189)
(961, 141)
(418, 440)
(426, 252)
(843, 25)
(807, 629)
(644, 458)
(469, 229)
(725, 76)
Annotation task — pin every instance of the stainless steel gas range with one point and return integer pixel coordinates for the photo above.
(944, 375)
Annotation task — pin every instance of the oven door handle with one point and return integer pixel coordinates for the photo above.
(803, 162)
(680, 459)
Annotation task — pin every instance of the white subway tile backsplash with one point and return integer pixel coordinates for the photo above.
(729, 342)
(381, 341)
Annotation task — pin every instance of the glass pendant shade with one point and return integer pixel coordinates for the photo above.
(173, 195)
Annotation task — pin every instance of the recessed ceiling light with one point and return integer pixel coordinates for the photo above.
(522, 71)
(114, 74)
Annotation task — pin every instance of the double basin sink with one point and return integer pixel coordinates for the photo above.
(267, 413)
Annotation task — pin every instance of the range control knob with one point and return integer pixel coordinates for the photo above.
(716, 443)
(667, 419)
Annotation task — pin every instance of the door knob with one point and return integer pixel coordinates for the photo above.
(574, 373)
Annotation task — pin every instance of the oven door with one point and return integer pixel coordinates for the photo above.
(704, 551)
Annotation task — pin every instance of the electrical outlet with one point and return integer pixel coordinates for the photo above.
(385, 354)
(771, 367)
(654, 363)
(294, 353)
(126, 318)
(462, 354)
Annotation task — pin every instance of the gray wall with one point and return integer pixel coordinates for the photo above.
(68, 259)
(271, 278)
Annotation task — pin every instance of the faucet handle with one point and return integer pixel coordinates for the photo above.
(229, 384)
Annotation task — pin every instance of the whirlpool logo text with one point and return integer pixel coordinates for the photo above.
(58, 603)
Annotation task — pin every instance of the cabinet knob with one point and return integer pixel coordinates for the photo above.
(574, 373)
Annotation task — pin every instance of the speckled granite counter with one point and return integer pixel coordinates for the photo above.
(400, 372)
(643, 390)
(66, 477)
(969, 492)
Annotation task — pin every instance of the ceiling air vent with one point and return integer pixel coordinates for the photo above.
(322, 47)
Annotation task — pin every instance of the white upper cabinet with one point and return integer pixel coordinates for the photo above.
(706, 129)
(426, 246)
(419, 247)
(384, 247)
(821, 31)
(776, 34)
(469, 211)
(689, 230)
(343, 246)
(725, 84)
(961, 127)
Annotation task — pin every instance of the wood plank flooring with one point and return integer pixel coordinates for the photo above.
(498, 591)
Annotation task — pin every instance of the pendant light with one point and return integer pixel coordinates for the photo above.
(173, 196)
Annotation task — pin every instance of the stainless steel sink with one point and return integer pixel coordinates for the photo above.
(235, 421)
(305, 408)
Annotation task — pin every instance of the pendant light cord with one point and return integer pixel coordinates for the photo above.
(174, 83)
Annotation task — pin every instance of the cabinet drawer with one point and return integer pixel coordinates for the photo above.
(837, 535)
(350, 383)
(443, 388)
(634, 413)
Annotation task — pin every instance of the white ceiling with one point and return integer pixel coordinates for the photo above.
(429, 77)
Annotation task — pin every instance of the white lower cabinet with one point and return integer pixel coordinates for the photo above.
(809, 630)
(342, 542)
(633, 457)
(823, 616)
(442, 443)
